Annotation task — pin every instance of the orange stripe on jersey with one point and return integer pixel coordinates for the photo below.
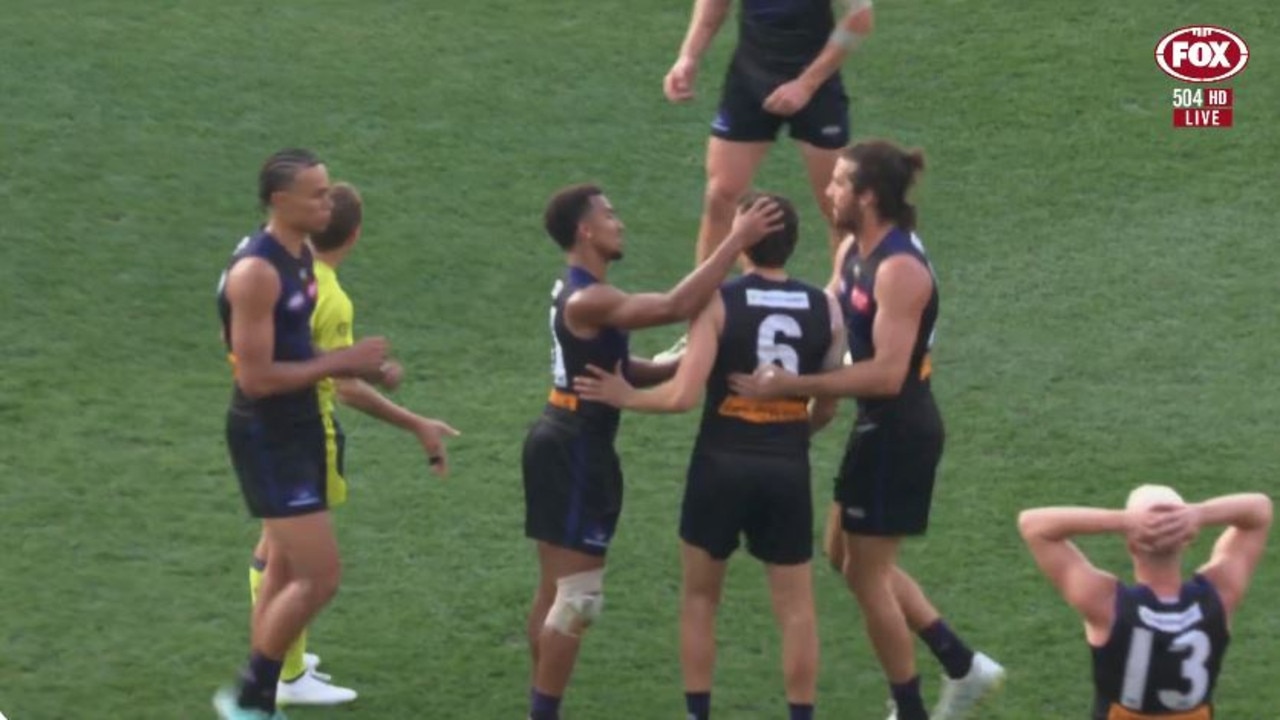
(235, 366)
(563, 400)
(1118, 712)
(765, 411)
(926, 367)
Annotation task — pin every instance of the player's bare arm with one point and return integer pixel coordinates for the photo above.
(604, 305)
(358, 394)
(679, 394)
(644, 372)
(1238, 550)
(1088, 590)
(822, 410)
(903, 288)
(708, 17)
(252, 289)
(857, 23)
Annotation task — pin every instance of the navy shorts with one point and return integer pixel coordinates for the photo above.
(765, 498)
(281, 465)
(572, 486)
(885, 485)
(741, 116)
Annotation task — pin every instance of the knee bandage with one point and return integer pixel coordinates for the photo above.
(579, 600)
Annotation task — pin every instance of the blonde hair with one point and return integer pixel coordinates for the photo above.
(1145, 496)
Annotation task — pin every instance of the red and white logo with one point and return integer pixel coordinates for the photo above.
(860, 300)
(1202, 54)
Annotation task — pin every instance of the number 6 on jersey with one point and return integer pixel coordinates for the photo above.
(770, 351)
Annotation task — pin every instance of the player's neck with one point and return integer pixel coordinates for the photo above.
(1163, 577)
(873, 233)
(774, 274)
(591, 262)
(292, 239)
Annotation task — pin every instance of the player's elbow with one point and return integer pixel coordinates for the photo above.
(254, 385)
(892, 379)
(1263, 510)
(1028, 525)
(861, 18)
(685, 400)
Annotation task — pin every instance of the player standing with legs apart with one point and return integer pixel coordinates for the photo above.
(332, 329)
(1157, 645)
(274, 429)
(572, 477)
(749, 474)
(884, 490)
(785, 71)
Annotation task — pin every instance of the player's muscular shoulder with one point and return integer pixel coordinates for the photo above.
(252, 282)
(905, 279)
(586, 310)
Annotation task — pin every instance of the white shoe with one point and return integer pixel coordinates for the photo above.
(311, 690)
(961, 696)
(675, 352)
(893, 710)
(848, 360)
(311, 661)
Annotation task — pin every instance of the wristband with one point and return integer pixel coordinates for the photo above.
(845, 39)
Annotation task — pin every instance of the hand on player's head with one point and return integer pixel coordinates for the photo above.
(753, 222)
(601, 386)
(1162, 528)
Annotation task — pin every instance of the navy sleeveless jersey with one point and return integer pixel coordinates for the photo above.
(778, 39)
(858, 302)
(292, 321)
(787, 323)
(571, 354)
(1162, 656)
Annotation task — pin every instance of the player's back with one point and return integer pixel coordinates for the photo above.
(1163, 656)
(291, 319)
(785, 322)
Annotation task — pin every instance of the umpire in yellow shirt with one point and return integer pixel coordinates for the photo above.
(331, 329)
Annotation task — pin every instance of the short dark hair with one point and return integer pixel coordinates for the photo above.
(281, 169)
(889, 171)
(775, 249)
(565, 211)
(348, 213)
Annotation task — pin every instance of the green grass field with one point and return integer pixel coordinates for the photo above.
(1109, 295)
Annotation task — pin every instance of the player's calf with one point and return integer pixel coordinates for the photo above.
(578, 602)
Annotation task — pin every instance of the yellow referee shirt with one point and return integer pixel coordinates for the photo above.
(331, 330)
